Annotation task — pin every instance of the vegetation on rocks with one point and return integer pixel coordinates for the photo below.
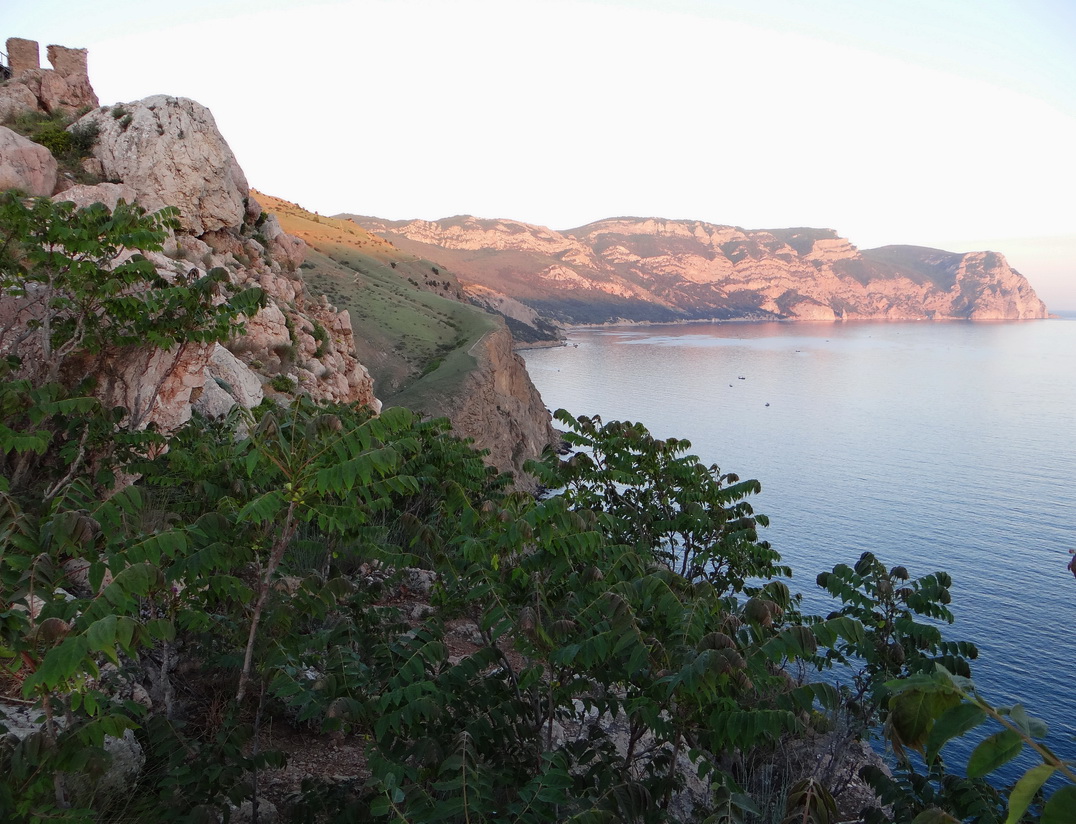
(634, 654)
(69, 144)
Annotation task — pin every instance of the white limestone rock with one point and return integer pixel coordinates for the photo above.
(170, 151)
(286, 249)
(26, 165)
(16, 98)
(127, 761)
(214, 402)
(241, 383)
(107, 193)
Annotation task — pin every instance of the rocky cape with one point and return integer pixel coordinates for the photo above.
(656, 270)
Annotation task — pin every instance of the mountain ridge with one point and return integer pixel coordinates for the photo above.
(647, 269)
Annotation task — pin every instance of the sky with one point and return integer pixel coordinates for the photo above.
(945, 123)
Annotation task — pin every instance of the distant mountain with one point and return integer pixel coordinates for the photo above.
(652, 269)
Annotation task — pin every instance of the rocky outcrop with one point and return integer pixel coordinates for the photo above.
(305, 338)
(169, 150)
(26, 165)
(63, 88)
(650, 269)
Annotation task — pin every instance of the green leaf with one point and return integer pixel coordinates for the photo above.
(135, 580)
(954, 722)
(1000, 748)
(251, 462)
(161, 629)
(97, 575)
(1061, 807)
(59, 664)
(934, 816)
(913, 711)
(263, 508)
(1025, 789)
(101, 637)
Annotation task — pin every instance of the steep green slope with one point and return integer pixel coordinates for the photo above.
(411, 330)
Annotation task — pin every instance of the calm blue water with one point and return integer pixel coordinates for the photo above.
(946, 446)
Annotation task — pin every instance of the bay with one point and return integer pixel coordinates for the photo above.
(938, 446)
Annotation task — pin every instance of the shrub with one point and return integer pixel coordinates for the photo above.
(84, 137)
(282, 383)
(321, 335)
(68, 145)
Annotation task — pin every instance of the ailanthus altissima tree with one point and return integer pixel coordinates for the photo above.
(634, 645)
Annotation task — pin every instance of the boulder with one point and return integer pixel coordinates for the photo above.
(125, 758)
(16, 98)
(126, 762)
(214, 402)
(169, 150)
(239, 381)
(26, 165)
(287, 249)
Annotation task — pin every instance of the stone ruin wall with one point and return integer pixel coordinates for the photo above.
(65, 87)
(25, 55)
(22, 55)
(68, 62)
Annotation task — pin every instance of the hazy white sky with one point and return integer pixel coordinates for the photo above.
(947, 123)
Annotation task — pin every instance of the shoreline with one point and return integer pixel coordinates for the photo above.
(631, 324)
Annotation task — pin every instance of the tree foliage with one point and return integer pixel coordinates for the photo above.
(623, 648)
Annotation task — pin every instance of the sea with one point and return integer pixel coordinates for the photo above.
(935, 445)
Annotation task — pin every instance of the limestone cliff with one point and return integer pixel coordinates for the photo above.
(171, 153)
(651, 269)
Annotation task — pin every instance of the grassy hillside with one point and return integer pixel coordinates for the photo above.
(411, 330)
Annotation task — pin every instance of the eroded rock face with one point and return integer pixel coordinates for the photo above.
(25, 165)
(154, 385)
(169, 150)
(650, 269)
